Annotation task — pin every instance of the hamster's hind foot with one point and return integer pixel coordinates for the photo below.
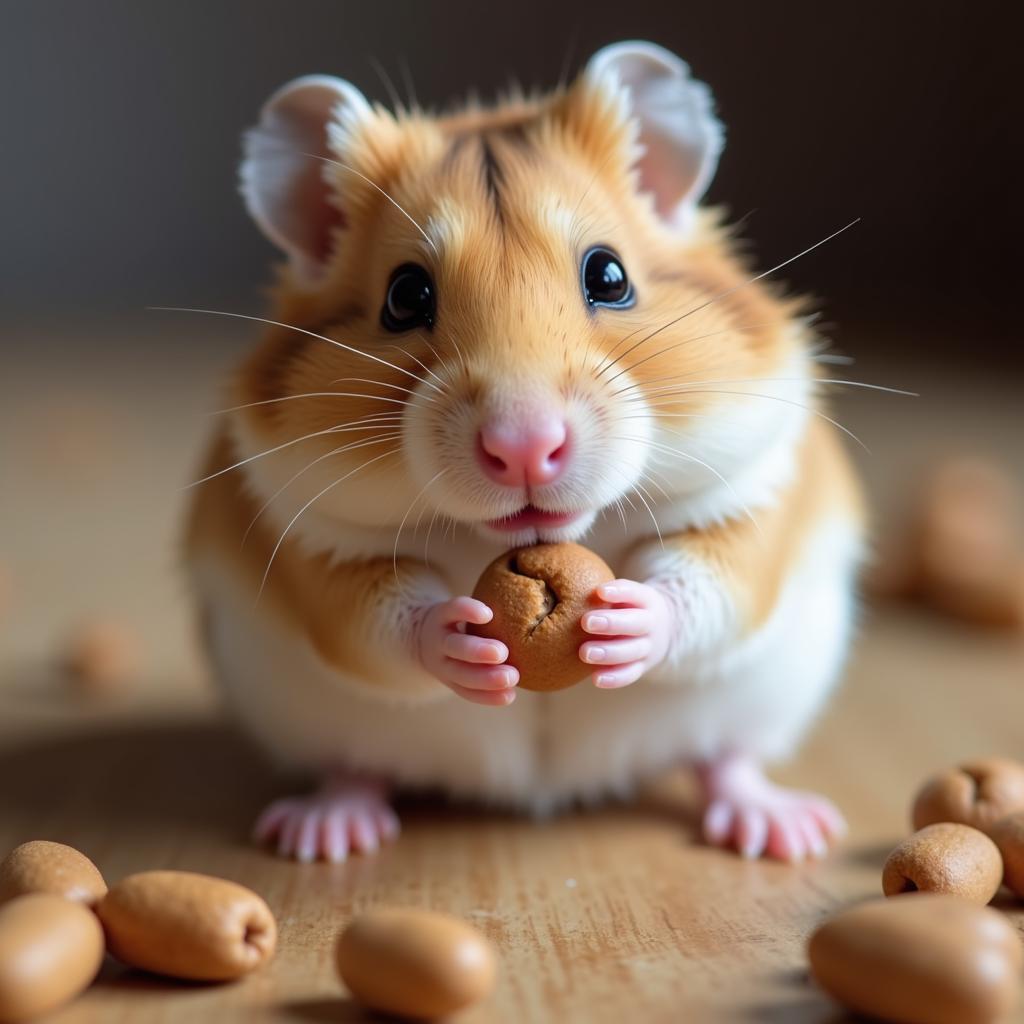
(746, 811)
(344, 815)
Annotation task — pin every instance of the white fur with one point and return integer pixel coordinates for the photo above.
(546, 749)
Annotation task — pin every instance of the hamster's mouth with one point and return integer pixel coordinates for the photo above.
(530, 515)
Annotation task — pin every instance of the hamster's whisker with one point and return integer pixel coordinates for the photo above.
(458, 350)
(316, 497)
(300, 330)
(680, 377)
(445, 382)
(430, 530)
(394, 202)
(450, 524)
(732, 290)
(602, 367)
(381, 384)
(351, 446)
(650, 474)
(398, 348)
(313, 394)
(342, 429)
(669, 450)
(640, 490)
(624, 496)
(698, 385)
(622, 515)
(771, 398)
(401, 526)
(680, 344)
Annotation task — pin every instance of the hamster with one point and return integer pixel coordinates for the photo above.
(500, 326)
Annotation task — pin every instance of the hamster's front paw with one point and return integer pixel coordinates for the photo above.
(635, 631)
(470, 666)
(346, 814)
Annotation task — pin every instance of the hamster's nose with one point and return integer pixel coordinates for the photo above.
(532, 453)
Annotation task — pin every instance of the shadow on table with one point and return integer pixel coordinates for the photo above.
(204, 777)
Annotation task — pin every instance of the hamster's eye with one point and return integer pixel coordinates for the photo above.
(604, 280)
(410, 301)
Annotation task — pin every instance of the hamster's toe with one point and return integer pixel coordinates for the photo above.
(746, 811)
(328, 824)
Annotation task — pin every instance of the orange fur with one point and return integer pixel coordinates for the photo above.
(509, 310)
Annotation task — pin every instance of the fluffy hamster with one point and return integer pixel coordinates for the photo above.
(495, 327)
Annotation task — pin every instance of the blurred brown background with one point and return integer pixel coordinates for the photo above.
(122, 122)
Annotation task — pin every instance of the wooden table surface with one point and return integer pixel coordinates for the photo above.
(618, 914)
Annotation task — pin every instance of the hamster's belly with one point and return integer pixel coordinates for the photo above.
(546, 749)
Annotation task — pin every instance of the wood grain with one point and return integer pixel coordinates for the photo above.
(616, 914)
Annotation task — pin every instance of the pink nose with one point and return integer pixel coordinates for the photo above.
(533, 453)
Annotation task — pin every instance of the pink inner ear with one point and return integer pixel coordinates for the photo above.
(313, 212)
(665, 172)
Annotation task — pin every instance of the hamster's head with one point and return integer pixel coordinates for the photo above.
(512, 317)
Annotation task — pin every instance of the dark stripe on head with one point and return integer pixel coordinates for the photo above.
(493, 177)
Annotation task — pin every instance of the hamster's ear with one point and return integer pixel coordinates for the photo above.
(284, 173)
(679, 135)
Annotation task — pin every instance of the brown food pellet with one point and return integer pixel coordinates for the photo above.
(925, 957)
(100, 656)
(965, 554)
(42, 866)
(50, 950)
(947, 858)
(188, 926)
(1008, 835)
(976, 793)
(538, 595)
(414, 963)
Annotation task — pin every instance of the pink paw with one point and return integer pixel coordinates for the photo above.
(473, 667)
(633, 633)
(328, 824)
(746, 811)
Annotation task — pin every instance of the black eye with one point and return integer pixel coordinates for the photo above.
(410, 300)
(604, 280)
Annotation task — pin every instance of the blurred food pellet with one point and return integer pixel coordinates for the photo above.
(963, 551)
(100, 657)
(921, 957)
(414, 963)
(43, 866)
(976, 793)
(50, 950)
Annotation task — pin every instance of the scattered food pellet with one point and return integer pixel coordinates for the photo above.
(920, 957)
(100, 657)
(963, 553)
(1008, 835)
(42, 866)
(414, 963)
(947, 857)
(537, 595)
(186, 925)
(976, 793)
(50, 951)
